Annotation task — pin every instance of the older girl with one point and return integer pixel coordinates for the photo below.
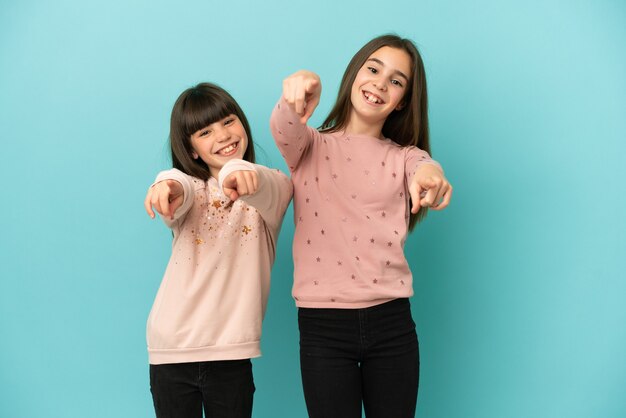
(361, 182)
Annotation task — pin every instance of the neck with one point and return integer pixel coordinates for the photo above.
(215, 173)
(357, 126)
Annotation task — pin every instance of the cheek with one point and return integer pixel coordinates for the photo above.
(355, 92)
(194, 149)
(244, 144)
(397, 98)
(359, 80)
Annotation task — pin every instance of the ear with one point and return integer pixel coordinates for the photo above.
(194, 155)
(400, 106)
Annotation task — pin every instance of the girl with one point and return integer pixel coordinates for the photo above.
(361, 183)
(225, 213)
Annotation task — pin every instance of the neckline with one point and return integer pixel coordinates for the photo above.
(343, 134)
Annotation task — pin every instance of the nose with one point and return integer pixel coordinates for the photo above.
(222, 134)
(380, 84)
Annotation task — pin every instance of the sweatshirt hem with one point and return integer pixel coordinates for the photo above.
(342, 305)
(211, 353)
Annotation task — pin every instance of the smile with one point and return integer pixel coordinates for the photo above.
(372, 98)
(228, 150)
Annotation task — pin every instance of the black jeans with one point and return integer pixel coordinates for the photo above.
(224, 388)
(354, 358)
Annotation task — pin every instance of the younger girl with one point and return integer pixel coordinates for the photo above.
(360, 184)
(225, 213)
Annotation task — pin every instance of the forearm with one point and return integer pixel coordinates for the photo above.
(292, 137)
(188, 193)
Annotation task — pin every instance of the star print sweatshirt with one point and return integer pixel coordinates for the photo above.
(213, 295)
(351, 213)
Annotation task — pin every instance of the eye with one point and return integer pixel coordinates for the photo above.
(205, 132)
(372, 70)
(229, 121)
(397, 83)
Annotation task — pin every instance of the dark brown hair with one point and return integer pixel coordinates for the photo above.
(196, 108)
(407, 126)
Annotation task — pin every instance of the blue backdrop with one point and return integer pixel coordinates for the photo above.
(519, 285)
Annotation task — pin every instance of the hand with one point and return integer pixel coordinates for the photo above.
(302, 91)
(240, 183)
(165, 196)
(429, 188)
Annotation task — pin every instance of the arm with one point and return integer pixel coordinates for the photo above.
(428, 185)
(171, 195)
(301, 95)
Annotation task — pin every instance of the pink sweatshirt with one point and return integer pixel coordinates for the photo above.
(212, 299)
(351, 210)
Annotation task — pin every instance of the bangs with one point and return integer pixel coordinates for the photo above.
(201, 110)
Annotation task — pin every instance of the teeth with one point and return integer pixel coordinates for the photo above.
(228, 149)
(371, 98)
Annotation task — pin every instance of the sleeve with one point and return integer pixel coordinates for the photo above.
(188, 194)
(415, 158)
(273, 195)
(291, 136)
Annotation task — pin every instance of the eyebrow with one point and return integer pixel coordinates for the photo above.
(400, 73)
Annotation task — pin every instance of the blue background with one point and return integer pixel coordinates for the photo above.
(519, 286)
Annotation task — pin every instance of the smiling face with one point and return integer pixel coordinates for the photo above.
(220, 142)
(379, 88)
